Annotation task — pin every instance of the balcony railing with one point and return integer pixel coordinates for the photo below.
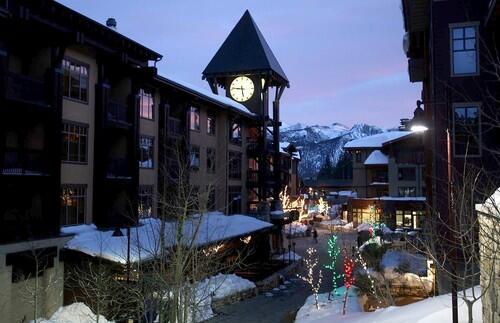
(25, 89)
(253, 176)
(27, 163)
(380, 179)
(118, 168)
(117, 112)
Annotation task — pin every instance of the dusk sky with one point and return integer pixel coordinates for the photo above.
(344, 58)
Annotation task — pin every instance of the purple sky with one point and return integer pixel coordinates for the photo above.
(344, 58)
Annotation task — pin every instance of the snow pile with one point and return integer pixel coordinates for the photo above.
(364, 227)
(292, 256)
(74, 313)
(295, 229)
(215, 288)
(394, 259)
(375, 240)
(431, 310)
(210, 228)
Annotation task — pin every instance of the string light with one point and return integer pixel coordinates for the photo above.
(349, 278)
(311, 261)
(333, 253)
(362, 262)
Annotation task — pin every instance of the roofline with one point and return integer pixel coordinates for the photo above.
(151, 53)
(390, 142)
(271, 72)
(165, 80)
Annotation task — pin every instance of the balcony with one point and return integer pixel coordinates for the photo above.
(380, 180)
(253, 178)
(255, 148)
(117, 114)
(29, 163)
(118, 168)
(25, 89)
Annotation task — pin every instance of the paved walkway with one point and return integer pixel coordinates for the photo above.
(284, 303)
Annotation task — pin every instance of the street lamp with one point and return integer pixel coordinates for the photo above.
(419, 124)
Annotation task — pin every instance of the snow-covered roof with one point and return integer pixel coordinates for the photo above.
(283, 148)
(211, 228)
(491, 206)
(378, 140)
(377, 158)
(207, 94)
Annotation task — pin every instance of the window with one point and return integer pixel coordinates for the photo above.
(145, 200)
(234, 165)
(408, 219)
(194, 158)
(73, 199)
(74, 143)
(75, 80)
(211, 153)
(211, 121)
(146, 104)
(407, 191)
(467, 131)
(194, 119)
(407, 174)
(235, 133)
(399, 218)
(234, 198)
(146, 146)
(464, 50)
(211, 205)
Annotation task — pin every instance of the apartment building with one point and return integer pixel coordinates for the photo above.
(388, 177)
(450, 46)
(86, 127)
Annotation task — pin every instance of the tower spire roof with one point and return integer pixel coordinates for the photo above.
(245, 50)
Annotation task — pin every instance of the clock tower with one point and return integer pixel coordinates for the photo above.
(249, 73)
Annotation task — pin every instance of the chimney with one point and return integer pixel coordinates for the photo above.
(111, 23)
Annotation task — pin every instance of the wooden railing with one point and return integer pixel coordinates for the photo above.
(23, 88)
(29, 162)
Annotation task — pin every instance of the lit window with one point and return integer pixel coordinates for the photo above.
(194, 158)
(75, 80)
(211, 120)
(235, 133)
(146, 146)
(74, 143)
(73, 199)
(146, 104)
(464, 50)
(467, 131)
(194, 119)
(145, 200)
(211, 153)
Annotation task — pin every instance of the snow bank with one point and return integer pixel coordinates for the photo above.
(431, 310)
(74, 313)
(213, 227)
(295, 229)
(293, 256)
(215, 288)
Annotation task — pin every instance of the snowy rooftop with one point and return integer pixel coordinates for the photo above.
(218, 99)
(210, 228)
(283, 148)
(378, 140)
(491, 206)
(377, 158)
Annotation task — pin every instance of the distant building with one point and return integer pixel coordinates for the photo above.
(388, 179)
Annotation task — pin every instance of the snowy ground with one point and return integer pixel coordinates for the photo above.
(74, 313)
(431, 310)
(296, 229)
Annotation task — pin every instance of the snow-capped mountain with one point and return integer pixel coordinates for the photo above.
(317, 142)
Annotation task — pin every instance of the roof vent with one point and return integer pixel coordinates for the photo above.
(111, 23)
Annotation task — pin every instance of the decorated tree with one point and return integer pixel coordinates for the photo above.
(348, 276)
(311, 262)
(333, 253)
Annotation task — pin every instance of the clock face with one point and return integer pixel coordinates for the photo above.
(241, 88)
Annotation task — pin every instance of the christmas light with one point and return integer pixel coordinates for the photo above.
(311, 261)
(362, 262)
(349, 278)
(333, 253)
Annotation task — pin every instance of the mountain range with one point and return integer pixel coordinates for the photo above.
(317, 142)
